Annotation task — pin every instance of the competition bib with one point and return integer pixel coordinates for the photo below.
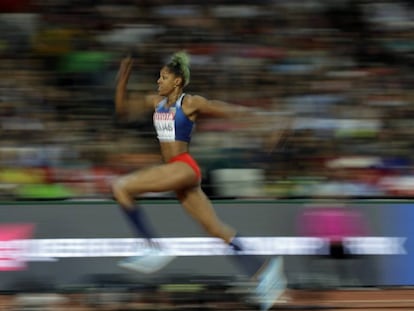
(164, 125)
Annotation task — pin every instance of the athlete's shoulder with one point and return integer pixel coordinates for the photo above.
(194, 101)
(154, 100)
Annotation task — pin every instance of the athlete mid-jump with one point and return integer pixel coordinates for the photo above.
(175, 114)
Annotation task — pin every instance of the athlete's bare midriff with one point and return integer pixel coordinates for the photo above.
(172, 149)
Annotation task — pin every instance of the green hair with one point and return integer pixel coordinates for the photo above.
(179, 64)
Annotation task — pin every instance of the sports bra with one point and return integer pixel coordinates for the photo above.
(171, 123)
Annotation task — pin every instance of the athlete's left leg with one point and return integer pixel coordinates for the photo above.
(269, 276)
(199, 207)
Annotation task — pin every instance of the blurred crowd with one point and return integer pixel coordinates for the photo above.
(343, 68)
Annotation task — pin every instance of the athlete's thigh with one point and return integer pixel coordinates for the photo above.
(199, 207)
(165, 177)
(197, 204)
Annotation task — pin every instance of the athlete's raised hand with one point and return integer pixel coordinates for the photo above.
(125, 69)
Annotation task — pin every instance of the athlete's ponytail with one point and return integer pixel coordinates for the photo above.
(179, 64)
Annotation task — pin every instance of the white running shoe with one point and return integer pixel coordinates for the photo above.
(271, 284)
(151, 261)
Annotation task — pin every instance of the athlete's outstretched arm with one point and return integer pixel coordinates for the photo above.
(127, 106)
(273, 125)
(219, 109)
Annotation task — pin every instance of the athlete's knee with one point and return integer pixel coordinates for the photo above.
(119, 187)
(121, 194)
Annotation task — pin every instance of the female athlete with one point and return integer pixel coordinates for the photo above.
(174, 116)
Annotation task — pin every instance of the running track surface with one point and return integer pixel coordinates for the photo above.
(344, 299)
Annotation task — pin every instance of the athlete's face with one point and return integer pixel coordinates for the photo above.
(167, 82)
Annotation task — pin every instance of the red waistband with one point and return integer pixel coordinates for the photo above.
(188, 159)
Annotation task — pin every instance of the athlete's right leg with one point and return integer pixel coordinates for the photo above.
(154, 179)
(165, 177)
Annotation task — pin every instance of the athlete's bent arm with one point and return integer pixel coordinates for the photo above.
(130, 107)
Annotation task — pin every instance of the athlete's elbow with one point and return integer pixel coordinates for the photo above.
(121, 117)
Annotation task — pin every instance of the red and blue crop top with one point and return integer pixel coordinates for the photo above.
(171, 123)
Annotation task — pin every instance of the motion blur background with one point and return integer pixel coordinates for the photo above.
(343, 67)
